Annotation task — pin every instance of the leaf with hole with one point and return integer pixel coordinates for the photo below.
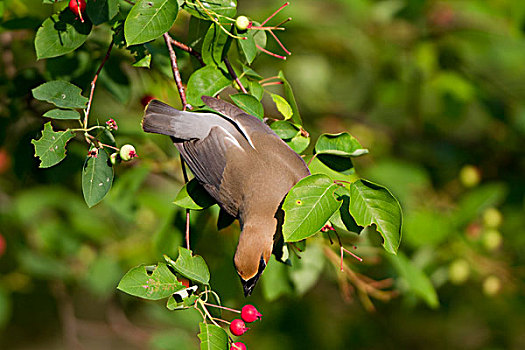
(152, 285)
(51, 147)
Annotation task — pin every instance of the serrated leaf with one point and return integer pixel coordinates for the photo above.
(193, 196)
(343, 144)
(296, 117)
(97, 177)
(193, 268)
(374, 204)
(227, 8)
(51, 147)
(60, 93)
(101, 11)
(149, 19)
(152, 286)
(282, 106)
(61, 33)
(308, 206)
(416, 280)
(249, 104)
(62, 114)
(209, 81)
(212, 337)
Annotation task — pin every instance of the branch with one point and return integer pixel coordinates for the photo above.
(93, 82)
(176, 73)
(234, 75)
(188, 49)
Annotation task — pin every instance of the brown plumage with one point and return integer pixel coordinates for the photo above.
(242, 163)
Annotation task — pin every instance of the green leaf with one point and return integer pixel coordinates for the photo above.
(282, 106)
(226, 8)
(149, 19)
(212, 337)
(299, 142)
(275, 281)
(62, 114)
(101, 11)
(247, 46)
(51, 147)
(61, 33)
(6, 307)
(308, 206)
(193, 196)
(304, 273)
(193, 268)
(284, 129)
(97, 177)
(473, 203)
(159, 284)
(415, 279)
(374, 204)
(208, 81)
(60, 93)
(343, 144)
(249, 104)
(296, 117)
(256, 89)
(213, 45)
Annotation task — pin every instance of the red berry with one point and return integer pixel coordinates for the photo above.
(237, 327)
(146, 99)
(238, 346)
(249, 313)
(2, 245)
(75, 5)
(185, 282)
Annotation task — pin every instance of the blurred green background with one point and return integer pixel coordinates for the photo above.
(435, 90)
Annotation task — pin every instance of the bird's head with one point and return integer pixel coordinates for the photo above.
(252, 255)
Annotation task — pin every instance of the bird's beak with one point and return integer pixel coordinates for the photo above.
(248, 285)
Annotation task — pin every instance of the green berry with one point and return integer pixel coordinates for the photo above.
(459, 271)
(469, 176)
(492, 239)
(127, 152)
(492, 218)
(242, 23)
(491, 286)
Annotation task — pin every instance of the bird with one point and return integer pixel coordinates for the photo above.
(242, 163)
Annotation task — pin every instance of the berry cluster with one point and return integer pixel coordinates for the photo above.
(238, 327)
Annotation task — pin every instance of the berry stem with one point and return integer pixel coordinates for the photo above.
(276, 12)
(272, 83)
(202, 303)
(270, 53)
(280, 43)
(222, 307)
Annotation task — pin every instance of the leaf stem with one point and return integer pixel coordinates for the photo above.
(234, 75)
(222, 307)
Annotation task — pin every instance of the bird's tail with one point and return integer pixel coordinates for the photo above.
(159, 118)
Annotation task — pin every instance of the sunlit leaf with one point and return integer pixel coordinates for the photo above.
(226, 8)
(212, 337)
(282, 106)
(159, 284)
(308, 206)
(209, 81)
(343, 144)
(374, 204)
(193, 268)
(296, 117)
(60, 93)
(149, 19)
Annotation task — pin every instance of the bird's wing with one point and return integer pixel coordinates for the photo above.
(207, 159)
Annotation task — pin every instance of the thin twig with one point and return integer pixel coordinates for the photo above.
(188, 49)
(67, 316)
(176, 73)
(93, 82)
(234, 75)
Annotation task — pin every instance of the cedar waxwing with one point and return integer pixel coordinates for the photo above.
(242, 164)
